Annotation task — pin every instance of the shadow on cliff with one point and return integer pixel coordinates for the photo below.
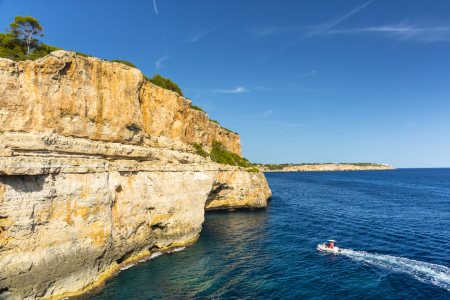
(25, 184)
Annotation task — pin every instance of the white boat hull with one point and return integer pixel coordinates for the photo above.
(326, 249)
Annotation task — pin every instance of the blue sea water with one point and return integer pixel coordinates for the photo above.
(394, 227)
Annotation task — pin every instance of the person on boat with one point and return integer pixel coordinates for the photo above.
(331, 245)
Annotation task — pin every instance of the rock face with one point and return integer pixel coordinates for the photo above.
(328, 167)
(90, 98)
(237, 190)
(84, 186)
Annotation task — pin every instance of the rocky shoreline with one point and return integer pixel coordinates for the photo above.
(328, 167)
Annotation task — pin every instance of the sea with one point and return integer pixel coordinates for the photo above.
(393, 228)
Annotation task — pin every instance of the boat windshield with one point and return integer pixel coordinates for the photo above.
(331, 243)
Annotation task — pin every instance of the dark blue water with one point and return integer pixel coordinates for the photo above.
(394, 225)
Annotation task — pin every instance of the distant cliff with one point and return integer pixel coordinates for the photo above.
(97, 170)
(326, 167)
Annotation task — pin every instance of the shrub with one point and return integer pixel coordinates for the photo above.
(241, 161)
(227, 129)
(197, 108)
(82, 54)
(220, 155)
(200, 150)
(165, 83)
(127, 63)
(215, 122)
(253, 170)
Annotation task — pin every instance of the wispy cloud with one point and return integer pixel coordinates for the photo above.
(293, 138)
(263, 88)
(327, 25)
(199, 35)
(321, 28)
(308, 74)
(236, 90)
(154, 6)
(266, 114)
(158, 64)
(405, 31)
(292, 88)
(267, 31)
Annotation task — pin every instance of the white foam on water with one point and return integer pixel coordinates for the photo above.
(178, 249)
(156, 254)
(127, 267)
(425, 272)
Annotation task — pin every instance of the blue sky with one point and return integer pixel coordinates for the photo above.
(300, 81)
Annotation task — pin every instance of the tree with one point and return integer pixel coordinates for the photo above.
(28, 29)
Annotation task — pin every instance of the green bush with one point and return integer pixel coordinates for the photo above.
(200, 150)
(82, 54)
(164, 83)
(215, 122)
(227, 129)
(253, 170)
(220, 155)
(127, 63)
(241, 161)
(197, 108)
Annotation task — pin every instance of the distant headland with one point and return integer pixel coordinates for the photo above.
(312, 167)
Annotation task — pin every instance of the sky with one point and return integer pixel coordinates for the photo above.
(300, 81)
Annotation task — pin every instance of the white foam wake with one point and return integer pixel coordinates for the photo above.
(422, 271)
(154, 255)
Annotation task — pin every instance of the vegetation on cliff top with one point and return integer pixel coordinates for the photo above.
(195, 107)
(21, 40)
(166, 83)
(127, 63)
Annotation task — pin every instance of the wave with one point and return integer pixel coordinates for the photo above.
(425, 272)
(126, 267)
(152, 256)
(178, 249)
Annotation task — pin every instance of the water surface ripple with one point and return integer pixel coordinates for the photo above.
(393, 225)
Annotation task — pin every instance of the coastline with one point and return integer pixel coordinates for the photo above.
(103, 278)
(328, 167)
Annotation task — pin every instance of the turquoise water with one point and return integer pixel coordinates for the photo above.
(394, 227)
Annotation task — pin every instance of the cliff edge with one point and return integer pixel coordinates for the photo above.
(97, 170)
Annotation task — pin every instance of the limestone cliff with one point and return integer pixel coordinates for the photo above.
(96, 171)
(90, 98)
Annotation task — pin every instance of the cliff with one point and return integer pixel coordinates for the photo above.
(99, 100)
(328, 167)
(96, 170)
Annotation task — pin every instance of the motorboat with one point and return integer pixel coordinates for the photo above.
(330, 246)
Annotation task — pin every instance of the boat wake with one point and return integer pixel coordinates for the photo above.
(425, 272)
